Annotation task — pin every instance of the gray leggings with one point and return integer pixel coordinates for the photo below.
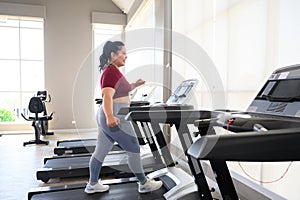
(124, 135)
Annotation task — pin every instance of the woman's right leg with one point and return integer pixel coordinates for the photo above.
(104, 145)
(126, 138)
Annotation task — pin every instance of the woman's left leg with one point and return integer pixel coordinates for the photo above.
(126, 138)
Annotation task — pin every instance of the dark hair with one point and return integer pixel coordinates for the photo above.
(109, 47)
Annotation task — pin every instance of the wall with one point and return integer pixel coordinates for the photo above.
(68, 42)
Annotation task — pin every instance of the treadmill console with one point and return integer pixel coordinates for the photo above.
(276, 106)
(175, 101)
(182, 92)
(280, 95)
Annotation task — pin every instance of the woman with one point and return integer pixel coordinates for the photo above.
(113, 128)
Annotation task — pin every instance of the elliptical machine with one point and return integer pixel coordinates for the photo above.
(39, 123)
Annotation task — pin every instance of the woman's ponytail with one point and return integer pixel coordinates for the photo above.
(103, 61)
(106, 54)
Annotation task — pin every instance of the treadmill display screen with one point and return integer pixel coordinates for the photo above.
(182, 91)
(286, 88)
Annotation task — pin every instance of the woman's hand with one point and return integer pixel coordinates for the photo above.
(112, 121)
(139, 83)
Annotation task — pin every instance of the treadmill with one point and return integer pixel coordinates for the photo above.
(271, 124)
(80, 146)
(178, 184)
(270, 146)
(175, 182)
(180, 119)
(115, 164)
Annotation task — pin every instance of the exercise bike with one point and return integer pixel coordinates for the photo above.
(44, 123)
(39, 122)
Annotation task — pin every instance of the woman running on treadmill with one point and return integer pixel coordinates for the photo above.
(112, 127)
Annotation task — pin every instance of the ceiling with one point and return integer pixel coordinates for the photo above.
(124, 5)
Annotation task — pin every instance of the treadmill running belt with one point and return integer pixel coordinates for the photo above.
(78, 147)
(70, 162)
(78, 143)
(118, 191)
(82, 161)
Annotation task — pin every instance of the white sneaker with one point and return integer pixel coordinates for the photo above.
(90, 189)
(149, 186)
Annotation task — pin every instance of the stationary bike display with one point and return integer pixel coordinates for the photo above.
(39, 123)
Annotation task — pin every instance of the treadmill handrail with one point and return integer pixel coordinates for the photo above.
(274, 145)
(171, 116)
(245, 121)
(126, 110)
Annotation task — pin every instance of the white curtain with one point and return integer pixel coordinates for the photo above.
(246, 40)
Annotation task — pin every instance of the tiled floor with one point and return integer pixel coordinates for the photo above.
(18, 164)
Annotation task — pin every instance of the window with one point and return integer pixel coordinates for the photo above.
(21, 64)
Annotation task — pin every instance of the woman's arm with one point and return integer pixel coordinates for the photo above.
(107, 94)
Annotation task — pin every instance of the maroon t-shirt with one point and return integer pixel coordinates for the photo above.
(112, 77)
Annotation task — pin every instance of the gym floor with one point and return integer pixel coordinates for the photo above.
(18, 164)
